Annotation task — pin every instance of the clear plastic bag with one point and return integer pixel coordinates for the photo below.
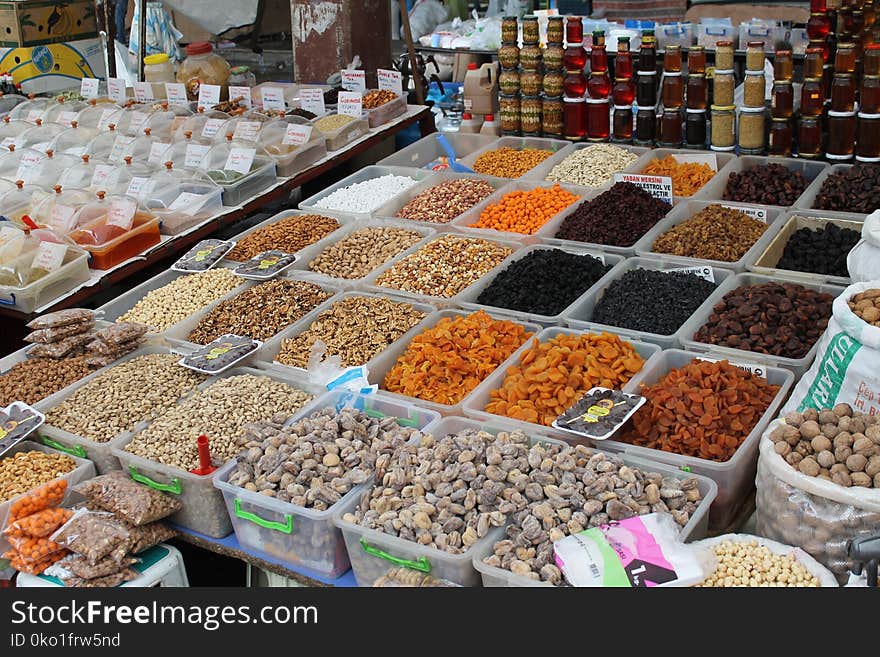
(146, 536)
(33, 550)
(108, 581)
(48, 495)
(99, 360)
(79, 566)
(40, 524)
(32, 568)
(50, 335)
(94, 535)
(59, 349)
(62, 318)
(101, 348)
(121, 332)
(128, 500)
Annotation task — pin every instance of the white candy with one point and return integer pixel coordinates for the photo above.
(366, 196)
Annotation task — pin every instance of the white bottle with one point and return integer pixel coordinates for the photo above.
(470, 124)
(490, 126)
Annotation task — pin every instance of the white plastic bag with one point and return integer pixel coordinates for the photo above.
(863, 261)
(424, 17)
(811, 513)
(329, 373)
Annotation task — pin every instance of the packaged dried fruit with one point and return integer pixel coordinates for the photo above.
(33, 550)
(62, 318)
(36, 567)
(48, 495)
(39, 524)
(127, 499)
(50, 335)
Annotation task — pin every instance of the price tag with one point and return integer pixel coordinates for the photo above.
(121, 213)
(390, 80)
(104, 177)
(702, 272)
(157, 152)
(209, 95)
(6, 143)
(240, 160)
(120, 148)
(89, 87)
(62, 217)
(296, 134)
(195, 153)
(188, 203)
(17, 421)
(657, 186)
(28, 166)
(757, 213)
(116, 90)
(143, 92)
(221, 354)
(247, 130)
(698, 158)
(138, 120)
(752, 368)
(139, 187)
(66, 118)
(351, 103)
(176, 93)
(273, 98)
(203, 256)
(243, 94)
(354, 80)
(106, 118)
(312, 100)
(33, 115)
(212, 127)
(49, 256)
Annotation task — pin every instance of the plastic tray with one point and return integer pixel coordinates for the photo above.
(475, 403)
(384, 113)
(784, 229)
(42, 291)
(797, 365)
(427, 150)
(686, 210)
(341, 220)
(579, 314)
(143, 234)
(295, 534)
(469, 299)
(808, 198)
(261, 176)
(723, 159)
(543, 170)
(342, 137)
(714, 189)
(518, 143)
(301, 158)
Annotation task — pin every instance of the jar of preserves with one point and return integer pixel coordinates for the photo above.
(530, 114)
(871, 59)
(552, 124)
(646, 89)
(672, 92)
(509, 30)
(574, 118)
(553, 55)
(812, 99)
(510, 113)
(508, 55)
(202, 66)
(648, 53)
(623, 92)
(530, 29)
(869, 96)
(783, 66)
(818, 26)
(782, 100)
(781, 137)
(622, 124)
(841, 135)
(868, 139)
(755, 56)
(845, 58)
(555, 30)
(670, 128)
(813, 62)
(696, 60)
(695, 128)
(530, 83)
(754, 87)
(242, 76)
(672, 59)
(722, 134)
(554, 83)
(574, 84)
(598, 119)
(722, 88)
(508, 81)
(751, 131)
(843, 92)
(530, 57)
(724, 56)
(623, 63)
(646, 126)
(809, 137)
(575, 55)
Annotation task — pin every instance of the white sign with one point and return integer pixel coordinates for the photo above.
(116, 90)
(67, 118)
(176, 93)
(312, 100)
(657, 186)
(297, 134)
(49, 256)
(753, 368)
(139, 186)
(757, 213)
(240, 160)
(195, 153)
(273, 98)
(62, 217)
(104, 176)
(243, 94)
(89, 87)
(247, 130)
(28, 166)
(157, 150)
(143, 92)
(188, 203)
(209, 95)
(351, 103)
(702, 272)
(138, 120)
(120, 148)
(211, 127)
(354, 80)
(698, 158)
(121, 213)
(390, 80)
(106, 118)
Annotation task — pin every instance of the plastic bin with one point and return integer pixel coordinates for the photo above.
(543, 170)
(342, 221)
(475, 403)
(342, 137)
(384, 113)
(518, 143)
(714, 189)
(73, 271)
(792, 221)
(426, 152)
(289, 159)
(469, 298)
(734, 477)
(797, 365)
(184, 204)
(260, 177)
(143, 234)
(298, 535)
(807, 200)
(659, 153)
(579, 315)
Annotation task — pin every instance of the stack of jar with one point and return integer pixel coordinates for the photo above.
(510, 78)
(672, 97)
(554, 79)
(723, 110)
(646, 91)
(781, 104)
(868, 139)
(751, 116)
(820, 34)
(623, 93)
(599, 91)
(575, 83)
(842, 114)
(696, 97)
(812, 103)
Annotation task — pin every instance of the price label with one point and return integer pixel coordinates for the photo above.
(354, 80)
(28, 166)
(757, 213)
(188, 203)
(138, 121)
(120, 148)
(106, 118)
(139, 187)
(351, 103)
(390, 80)
(121, 213)
(116, 90)
(702, 272)
(242, 94)
(62, 217)
(203, 256)
(212, 127)
(209, 95)
(312, 100)
(247, 130)
(195, 153)
(157, 152)
(273, 98)
(104, 177)
(66, 118)
(240, 160)
(89, 87)
(698, 158)
(49, 256)
(657, 186)
(143, 92)
(296, 134)
(752, 368)
(176, 93)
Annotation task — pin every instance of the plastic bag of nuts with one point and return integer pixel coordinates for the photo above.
(129, 500)
(94, 535)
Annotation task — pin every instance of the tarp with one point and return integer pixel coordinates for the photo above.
(216, 16)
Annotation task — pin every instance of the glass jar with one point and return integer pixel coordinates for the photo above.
(841, 135)
(508, 82)
(574, 84)
(202, 66)
(812, 99)
(553, 56)
(555, 30)
(509, 29)
(530, 83)
(696, 60)
(751, 131)
(783, 66)
(818, 26)
(530, 57)
(843, 92)
(623, 63)
(646, 89)
(510, 113)
(722, 135)
(598, 55)
(754, 87)
(845, 58)
(554, 83)
(722, 88)
(755, 56)
(695, 128)
(508, 55)
(672, 59)
(598, 119)
(813, 62)
(871, 59)
(868, 140)
(809, 137)
(552, 124)
(648, 53)
(782, 100)
(530, 114)
(780, 138)
(574, 118)
(672, 91)
(646, 126)
(242, 76)
(724, 56)
(670, 128)
(530, 29)
(696, 91)
(622, 124)
(159, 69)
(869, 97)
(623, 92)
(599, 85)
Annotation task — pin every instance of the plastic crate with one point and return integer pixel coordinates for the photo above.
(807, 200)
(579, 315)
(342, 137)
(342, 221)
(44, 290)
(175, 222)
(543, 170)
(427, 150)
(385, 112)
(143, 234)
(518, 143)
(659, 153)
(261, 177)
(298, 535)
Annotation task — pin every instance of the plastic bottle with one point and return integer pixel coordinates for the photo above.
(490, 126)
(469, 123)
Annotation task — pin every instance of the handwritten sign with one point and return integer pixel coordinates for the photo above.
(89, 87)
(247, 130)
(390, 80)
(273, 98)
(209, 95)
(104, 176)
(296, 134)
(121, 213)
(139, 187)
(50, 256)
(195, 153)
(354, 80)
(62, 217)
(157, 151)
(312, 100)
(243, 94)
(351, 103)
(211, 127)
(143, 92)
(240, 160)
(106, 118)
(176, 93)
(188, 203)
(120, 148)
(116, 90)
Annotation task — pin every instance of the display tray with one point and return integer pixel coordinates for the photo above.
(517, 143)
(543, 170)
(808, 198)
(722, 160)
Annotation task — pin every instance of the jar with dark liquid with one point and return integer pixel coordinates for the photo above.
(783, 66)
(646, 89)
(623, 92)
(818, 26)
(574, 84)
(696, 60)
(646, 126)
(696, 91)
(672, 59)
(813, 62)
(782, 100)
(598, 119)
(809, 137)
(673, 90)
(575, 56)
(845, 58)
(812, 99)
(868, 139)
(843, 92)
(648, 53)
(622, 124)
(599, 83)
(871, 59)
(781, 137)
(670, 128)
(623, 63)
(695, 128)
(574, 118)
(841, 135)
(869, 96)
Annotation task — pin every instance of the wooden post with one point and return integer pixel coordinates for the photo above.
(407, 33)
(142, 41)
(110, 29)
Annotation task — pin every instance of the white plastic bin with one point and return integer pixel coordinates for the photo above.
(384, 113)
(44, 290)
(342, 137)
(542, 171)
(722, 159)
(426, 151)
(275, 218)
(807, 200)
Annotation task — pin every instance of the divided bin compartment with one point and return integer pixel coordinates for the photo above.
(143, 235)
(258, 179)
(175, 222)
(426, 151)
(517, 143)
(542, 171)
(807, 201)
(341, 137)
(28, 298)
(291, 159)
(297, 535)
(721, 158)
(384, 113)
(580, 314)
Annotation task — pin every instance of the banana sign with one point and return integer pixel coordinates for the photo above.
(53, 66)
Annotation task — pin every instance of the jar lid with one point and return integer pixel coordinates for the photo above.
(199, 48)
(724, 108)
(598, 101)
(753, 110)
(646, 73)
(547, 98)
(158, 58)
(239, 70)
(623, 107)
(695, 111)
(832, 156)
(721, 148)
(724, 71)
(810, 119)
(866, 115)
(840, 114)
(748, 73)
(755, 44)
(724, 44)
(566, 99)
(509, 96)
(781, 120)
(862, 158)
(873, 46)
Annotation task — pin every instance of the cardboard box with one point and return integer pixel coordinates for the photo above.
(54, 66)
(36, 22)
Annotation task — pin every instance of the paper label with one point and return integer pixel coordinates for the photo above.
(756, 213)
(354, 80)
(121, 213)
(390, 80)
(351, 103)
(89, 87)
(104, 176)
(240, 160)
(120, 148)
(698, 158)
(752, 368)
(273, 98)
(657, 186)
(195, 153)
(599, 413)
(212, 127)
(176, 93)
(116, 90)
(138, 120)
(49, 256)
(157, 151)
(297, 134)
(106, 118)
(188, 203)
(28, 166)
(62, 217)
(247, 130)
(66, 118)
(265, 265)
(203, 256)
(312, 100)
(139, 186)
(242, 93)
(33, 115)
(209, 95)
(703, 272)
(143, 92)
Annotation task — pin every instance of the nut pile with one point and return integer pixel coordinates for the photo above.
(821, 251)
(376, 97)
(36, 378)
(360, 252)
(116, 400)
(220, 411)
(367, 195)
(259, 312)
(768, 184)
(290, 235)
(355, 328)
(782, 319)
(509, 162)
(318, 459)
(23, 471)
(866, 306)
(617, 217)
(748, 563)
(568, 489)
(836, 444)
(445, 266)
(713, 233)
(854, 189)
(592, 166)
(174, 302)
(703, 409)
(442, 203)
(553, 375)
(525, 211)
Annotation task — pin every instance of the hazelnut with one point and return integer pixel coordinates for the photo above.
(856, 462)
